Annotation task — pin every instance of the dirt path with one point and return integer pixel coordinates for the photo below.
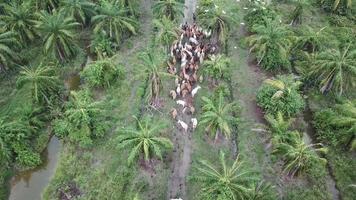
(182, 140)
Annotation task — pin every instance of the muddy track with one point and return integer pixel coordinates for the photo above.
(182, 140)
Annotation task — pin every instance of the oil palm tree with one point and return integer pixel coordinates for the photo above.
(298, 156)
(335, 69)
(336, 4)
(216, 116)
(271, 43)
(343, 118)
(19, 20)
(144, 140)
(78, 9)
(58, 33)
(131, 5)
(171, 9)
(41, 80)
(310, 39)
(217, 67)
(224, 181)
(47, 5)
(8, 43)
(151, 70)
(114, 20)
(279, 126)
(166, 32)
(82, 118)
(298, 11)
(216, 16)
(280, 95)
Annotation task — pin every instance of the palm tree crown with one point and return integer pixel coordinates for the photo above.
(114, 20)
(217, 66)
(217, 115)
(58, 33)
(19, 20)
(166, 31)
(225, 181)
(271, 45)
(335, 69)
(144, 140)
(41, 79)
(171, 9)
(298, 155)
(8, 42)
(78, 9)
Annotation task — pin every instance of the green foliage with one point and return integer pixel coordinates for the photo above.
(102, 73)
(298, 156)
(58, 33)
(41, 80)
(279, 126)
(335, 69)
(217, 116)
(216, 16)
(113, 18)
(8, 44)
(337, 6)
(166, 31)
(337, 125)
(82, 120)
(102, 45)
(15, 136)
(171, 9)
(223, 182)
(217, 67)
(151, 69)
(28, 158)
(271, 43)
(20, 20)
(78, 9)
(259, 15)
(280, 95)
(144, 140)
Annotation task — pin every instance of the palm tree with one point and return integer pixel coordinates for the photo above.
(217, 67)
(144, 140)
(339, 4)
(114, 20)
(171, 9)
(260, 191)
(280, 95)
(152, 70)
(343, 118)
(130, 5)
(82, 118)
(216, 116)
(298, 156)
(166, 32)
(41, 81)
(223, 182)
(271, 45)
(297, 13)
(58, 33)
(217, 17)
(47, 5)
(78, 9)
(310, 39)
(335, 69)
(279, 127)
(8, 42)
(19, 20)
